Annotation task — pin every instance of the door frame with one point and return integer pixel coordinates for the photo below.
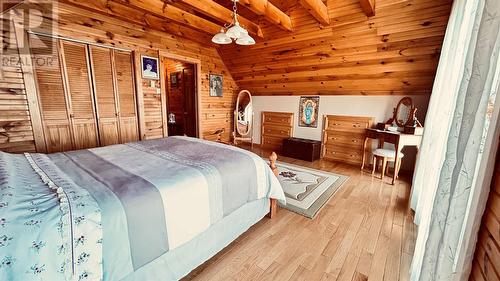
(197, 72)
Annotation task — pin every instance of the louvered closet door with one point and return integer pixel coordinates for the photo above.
(105, 95)
(52, 99)
(79, 92)
(129, 128)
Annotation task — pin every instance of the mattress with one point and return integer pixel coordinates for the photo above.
(117, 212)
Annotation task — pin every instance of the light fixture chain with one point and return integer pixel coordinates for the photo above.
(235, 11)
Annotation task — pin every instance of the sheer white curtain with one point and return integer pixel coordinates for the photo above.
(456, 130)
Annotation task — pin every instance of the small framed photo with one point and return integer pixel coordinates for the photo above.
(150, 68)
(174, 82)
(216, 85)
(308, 112)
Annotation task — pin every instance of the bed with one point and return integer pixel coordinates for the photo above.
(150, 210)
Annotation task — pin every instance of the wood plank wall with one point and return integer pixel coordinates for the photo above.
(394, 52)
(83, 24)
(16, 134)
(486, 264)
(153, 113)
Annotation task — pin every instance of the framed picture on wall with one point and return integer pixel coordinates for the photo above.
(308, 112)
(150, 68)
(215, 85)
(174, 80)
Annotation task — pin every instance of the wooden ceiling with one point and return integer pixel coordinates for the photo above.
(361, 47)
(394, 52)
(189, 17)
(208, 16)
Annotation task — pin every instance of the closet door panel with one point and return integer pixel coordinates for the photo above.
(108, 131)
(52, 99)
(85, 135)
(129, 126)
(129, 130)
(105, 95)
(80, 94)
(57, 136)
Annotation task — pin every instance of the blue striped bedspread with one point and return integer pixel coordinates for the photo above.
(103, 213)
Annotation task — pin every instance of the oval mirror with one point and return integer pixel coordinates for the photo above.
(244, 113)
(403, 111)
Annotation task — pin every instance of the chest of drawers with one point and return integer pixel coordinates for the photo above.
(276, 126)
(344, 136)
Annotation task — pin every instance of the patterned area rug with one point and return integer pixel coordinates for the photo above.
(307, 190)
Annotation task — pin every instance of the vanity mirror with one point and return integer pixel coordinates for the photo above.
(404, 112)
(243, 118)
(403, 118)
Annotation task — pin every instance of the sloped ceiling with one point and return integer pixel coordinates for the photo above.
(394, 52)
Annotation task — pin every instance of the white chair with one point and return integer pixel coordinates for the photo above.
(386, 155)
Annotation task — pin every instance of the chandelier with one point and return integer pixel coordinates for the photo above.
(233, 31)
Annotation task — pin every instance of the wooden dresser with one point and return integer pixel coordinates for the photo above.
(344, 136)
(276, 126)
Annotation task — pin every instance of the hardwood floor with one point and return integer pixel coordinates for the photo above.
(365, 232)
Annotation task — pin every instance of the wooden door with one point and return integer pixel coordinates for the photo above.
(51, 95)
(79, 94)
(105, 95)
(190, 115)
(486, 264)
(124, 77)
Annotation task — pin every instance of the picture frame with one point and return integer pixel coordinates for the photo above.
(308, 111)
(150, 68)
(216, 85)
(174, 79)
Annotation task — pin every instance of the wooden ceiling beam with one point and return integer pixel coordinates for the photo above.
(317, 9)
(270, 12)
(162, 9)
(219, 12)
(368, 7)
(127, 13)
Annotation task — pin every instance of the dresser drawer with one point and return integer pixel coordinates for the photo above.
(343, 154)
(276, 126)
(277, 118)
(345, 125)
(276, 130)
(344, 137)
(354, 140)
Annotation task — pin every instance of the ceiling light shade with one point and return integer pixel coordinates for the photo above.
(236, 31)
(245, 40)
(221, 38)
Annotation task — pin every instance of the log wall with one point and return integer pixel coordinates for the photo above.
(86, 25)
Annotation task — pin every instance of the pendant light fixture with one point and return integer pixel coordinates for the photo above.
(234, 31)
(221, 38)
